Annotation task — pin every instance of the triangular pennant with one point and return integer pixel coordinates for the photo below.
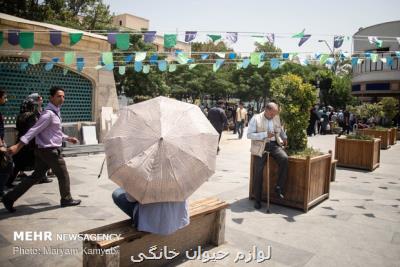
(245, 63)
(338, 41)
(304, 39)
(109, 67)
(383, 60)
(26, 40)
(192, 66)
(162, 65)
(232, 37)
(75, 37)
(360, 60)
(172, 68)
(255, 58)
(140, 56)
(98, 67)
(111, 37)
(204, 56)
(354, 61)
(149, 36)
(128, 58)
(35, 57)
(323, 58)
(138, 66)
(49, 65)
(80, 63)
(220, 54)
(69, 57)
(261, 64)
(107, 58)
(274, 63)
(122, 40)
(374, 40)
(374, 57)
(219, 62)
(299, 35)
(303, 61)
(154, 58)
(214, 37)
(190, 36)
(285, 55)
(169, 40)
(232, 55)
(121, 70)
(65, 71)
(239, 65)
(330, 61)
(23, 66)
(13, 37)
(182, 58)
(55, 37)
(397, 54)
(389, 61)
(270, 37)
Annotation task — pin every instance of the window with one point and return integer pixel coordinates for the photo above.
(356, 88)
(120, 23)
(378, 86)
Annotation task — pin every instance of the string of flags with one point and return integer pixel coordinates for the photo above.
(121, 39)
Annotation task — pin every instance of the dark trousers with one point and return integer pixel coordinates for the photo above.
(219, 139)
(45, 158)
(240, 126)
(280, 157)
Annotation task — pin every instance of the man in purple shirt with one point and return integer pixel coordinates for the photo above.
(49, 137)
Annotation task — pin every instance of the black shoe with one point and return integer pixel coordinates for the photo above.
(70, 202)
(8, 204)
(279, 193)
(257, 205)
(45, 181)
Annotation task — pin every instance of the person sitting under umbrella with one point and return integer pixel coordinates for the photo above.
(161, 218)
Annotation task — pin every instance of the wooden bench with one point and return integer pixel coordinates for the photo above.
(207, 227)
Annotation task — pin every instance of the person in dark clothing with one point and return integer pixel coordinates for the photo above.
(346, 123)
(217, 117)
(5, 161)
(314, 117)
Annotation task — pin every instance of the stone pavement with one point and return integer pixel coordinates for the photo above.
(359, 225)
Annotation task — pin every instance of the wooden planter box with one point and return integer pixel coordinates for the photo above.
(384, 135)
(393, 136)
(398, 134)
(306, 186)
(360, 154)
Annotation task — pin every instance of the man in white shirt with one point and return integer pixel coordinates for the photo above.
(241, 119)
(265, 130)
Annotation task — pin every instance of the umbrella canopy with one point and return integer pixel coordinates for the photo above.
(161, 150)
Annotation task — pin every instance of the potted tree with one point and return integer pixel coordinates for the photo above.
(374, 112)
(309, 170)
(357, 151)
(390, 107)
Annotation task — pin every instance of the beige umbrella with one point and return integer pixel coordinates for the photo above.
(161, 150)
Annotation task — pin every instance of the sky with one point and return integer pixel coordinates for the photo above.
(322, 19)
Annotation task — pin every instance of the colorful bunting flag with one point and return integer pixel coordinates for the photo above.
(80, 63)
(138, 66)
(35, 57)
(154, 58)
(239, 65)
(55, 37)
(274, 63)
(214, 37)
(338, 41)
(172, 68)
(304, 39)
(122, 40)
(299, 35)
(323, 58)
(220, 54)
(182, 58)
(107, 58)
(49, 65)
(330, 61)
(232, 55)
(192, 66)
(169, 40)
(140, 56)
(374, 57)
(389, 61)
(270, 38)
(121, 70)
(245, 63)
(354, 61)
(360, 60)
(69, 57)
(65, 71)
(397, 54)
(13, 37)
(204, 56)
(162, 65)
(98, 67)
(255, 58)
(149, 36)
(261, 64)
(111, 37)
(374, 40)
(232, 37)
(190, 36)
(23, 66)
(26, 40)
(109, 67)
(75, 37)
(128, 58)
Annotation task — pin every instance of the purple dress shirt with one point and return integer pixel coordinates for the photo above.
(47, 129)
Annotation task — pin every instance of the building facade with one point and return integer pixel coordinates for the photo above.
(373, 80)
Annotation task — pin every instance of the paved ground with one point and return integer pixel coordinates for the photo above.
(359, 225)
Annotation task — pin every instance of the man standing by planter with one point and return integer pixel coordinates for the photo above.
(49, 137)
(217, 117)
(265, 132)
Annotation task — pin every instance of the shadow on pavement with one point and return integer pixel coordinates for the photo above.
(23, 210)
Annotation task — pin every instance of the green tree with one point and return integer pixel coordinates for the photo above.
(295, 99)
(390, 107)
